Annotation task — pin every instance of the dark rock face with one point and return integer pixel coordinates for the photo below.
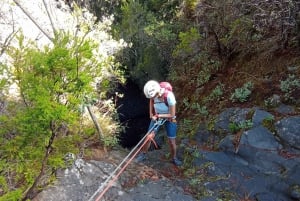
(85, 180)
(288, 131)
(264, 166)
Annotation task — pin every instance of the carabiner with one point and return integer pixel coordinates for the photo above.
(160, 121)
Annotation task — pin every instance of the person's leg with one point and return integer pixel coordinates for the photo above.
(153, 131)
(145, 148)
(171, 128)
(148, 143)
(172, 145)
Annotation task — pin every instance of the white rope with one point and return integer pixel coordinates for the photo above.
(156, 124)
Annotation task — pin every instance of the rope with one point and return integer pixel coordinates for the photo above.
(111, 179)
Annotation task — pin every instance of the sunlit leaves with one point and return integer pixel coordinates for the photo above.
(187, 39)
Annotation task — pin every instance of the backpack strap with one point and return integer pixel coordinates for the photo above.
(165, 95)
(166, 86)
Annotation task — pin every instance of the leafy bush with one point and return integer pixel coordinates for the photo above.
(244, 125)
(288, 86)
(272, 101)
(269, 123)
(187, 40)
(202, 110)
(199, 110)
(216, 94)
(44, 123)
(243, 93)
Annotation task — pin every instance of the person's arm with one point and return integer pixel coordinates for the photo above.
(171, 114)
(151, 108)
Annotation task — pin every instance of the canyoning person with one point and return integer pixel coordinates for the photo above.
(162, 105)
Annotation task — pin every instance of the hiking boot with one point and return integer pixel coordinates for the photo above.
(141, 157)
(177, 162)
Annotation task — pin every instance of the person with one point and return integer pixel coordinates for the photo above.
(159, 108)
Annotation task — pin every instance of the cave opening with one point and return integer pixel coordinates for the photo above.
(133, 114)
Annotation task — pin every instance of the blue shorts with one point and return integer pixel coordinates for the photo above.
(171, 128)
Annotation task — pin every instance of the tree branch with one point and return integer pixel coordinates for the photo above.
(9, 37)
(7, 42)
(30, 193)
(36, 24)
(100, 132)
(49, 16)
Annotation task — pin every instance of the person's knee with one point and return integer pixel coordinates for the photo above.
(172, 141)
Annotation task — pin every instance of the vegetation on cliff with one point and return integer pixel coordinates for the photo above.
(216, 54)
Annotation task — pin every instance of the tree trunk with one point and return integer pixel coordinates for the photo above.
(31, 192)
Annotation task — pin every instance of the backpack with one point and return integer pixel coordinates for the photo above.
(168, 87)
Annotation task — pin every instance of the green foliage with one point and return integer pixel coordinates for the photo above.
(244, 125)
(234, 28)
(110, 140)
(288, 86)
(272, 101)
(133, 19)
(134, 28)
(151, 63)
(165, 10)
(187, 128)
(195, 73)
(215, 95)
(50, 86)
(44, 125)
(110, 127)
(196, 107)
(238, 36)
(243, 93)
(103, 7)
(3, 81)
(199, 110)
(233, 127)
(3, 184)
(269, 123)
(152, 37)
(191, 4)
(187, 40)
(209, 67)
(12, 195)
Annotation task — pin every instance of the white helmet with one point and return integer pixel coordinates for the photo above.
(151, 88)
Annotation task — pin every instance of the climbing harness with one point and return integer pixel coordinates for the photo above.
(122, 166)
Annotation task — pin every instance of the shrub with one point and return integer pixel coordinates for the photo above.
(243, 93)
(216, 94)
(288, 86)
(244, 125)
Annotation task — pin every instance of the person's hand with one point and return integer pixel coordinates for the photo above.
(154, 117)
